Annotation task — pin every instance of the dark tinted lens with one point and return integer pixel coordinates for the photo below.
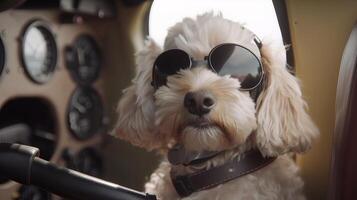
(171, 61)
(238, 62)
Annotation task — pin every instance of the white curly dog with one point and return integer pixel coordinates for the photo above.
(196, 108)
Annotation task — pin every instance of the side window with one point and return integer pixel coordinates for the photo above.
(258, 15)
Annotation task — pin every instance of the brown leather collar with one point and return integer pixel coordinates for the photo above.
(251, 161)
(179, 156)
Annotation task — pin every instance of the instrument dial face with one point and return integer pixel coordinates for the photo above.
(83, 60)
(2, 56)
(88, 161)
(30, 192)
(39, 52)
(85, 113)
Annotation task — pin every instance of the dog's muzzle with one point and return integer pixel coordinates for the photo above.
(199, 103)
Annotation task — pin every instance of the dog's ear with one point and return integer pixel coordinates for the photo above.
(283, 124)
(136, 107)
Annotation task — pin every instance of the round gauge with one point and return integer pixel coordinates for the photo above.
(39, 52)
(2, 56)
(83, 60)
(29, 192)
(85, 114)
(87, 161)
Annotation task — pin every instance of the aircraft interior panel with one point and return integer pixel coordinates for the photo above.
(62, 72)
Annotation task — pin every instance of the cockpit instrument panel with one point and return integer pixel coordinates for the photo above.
(39, 52)
(85, 115)
(83, 60)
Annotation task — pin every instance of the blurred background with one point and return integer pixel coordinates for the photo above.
(64, 63)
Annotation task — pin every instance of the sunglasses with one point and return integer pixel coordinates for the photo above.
(225, 59)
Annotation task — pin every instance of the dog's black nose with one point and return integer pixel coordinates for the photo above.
(199, 103)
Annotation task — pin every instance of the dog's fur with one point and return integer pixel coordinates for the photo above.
(276, 125)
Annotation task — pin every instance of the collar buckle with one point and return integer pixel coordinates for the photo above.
(183, 185)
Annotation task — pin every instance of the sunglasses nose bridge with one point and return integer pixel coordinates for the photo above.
(200, 63)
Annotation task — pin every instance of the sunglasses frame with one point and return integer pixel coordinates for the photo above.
(209, 57)
(209, 62)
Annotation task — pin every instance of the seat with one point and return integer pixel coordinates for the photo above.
(343, 176)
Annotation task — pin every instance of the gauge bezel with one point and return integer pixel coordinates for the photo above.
(49, 36)
(74, 160)
(27, 189)
(99, 112)
(2, 56)
(73, 65)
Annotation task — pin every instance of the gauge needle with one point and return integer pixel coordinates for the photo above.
(80, 107)
(81, 56)
(37, 49)
(29, 44)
